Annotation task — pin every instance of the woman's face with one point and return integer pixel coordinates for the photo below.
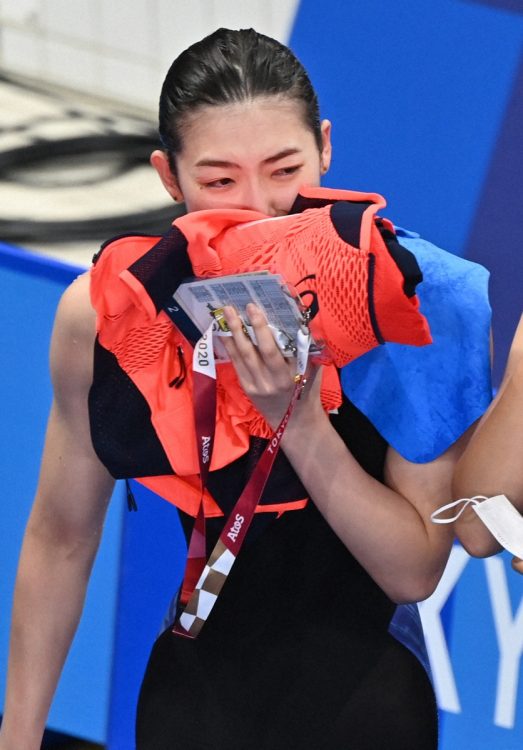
(253, 155)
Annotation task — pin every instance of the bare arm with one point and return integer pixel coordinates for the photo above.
(493, 461)
(387, 526)
(62, 535)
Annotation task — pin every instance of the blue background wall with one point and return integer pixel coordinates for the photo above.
(474, 622)
(426, 99)
(139, 564)
(30, 288)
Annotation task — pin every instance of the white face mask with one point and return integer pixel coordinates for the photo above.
(498, 514)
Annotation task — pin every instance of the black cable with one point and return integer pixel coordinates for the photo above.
(118, 153)
(40, 163)
(154, 221)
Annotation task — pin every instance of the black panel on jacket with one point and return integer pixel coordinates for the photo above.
(120, 420)
(125, 441)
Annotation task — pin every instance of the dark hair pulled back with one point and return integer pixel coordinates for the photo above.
(228, 67)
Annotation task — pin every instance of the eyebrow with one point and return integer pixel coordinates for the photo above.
(229, 164)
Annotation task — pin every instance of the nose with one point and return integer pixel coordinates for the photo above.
(255, 196)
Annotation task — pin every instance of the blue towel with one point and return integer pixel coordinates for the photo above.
(421, 399)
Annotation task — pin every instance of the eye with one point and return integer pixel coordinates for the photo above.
(217, 184)
(287, 171)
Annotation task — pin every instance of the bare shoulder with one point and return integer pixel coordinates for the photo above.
(75, 312)
(69, 458)
(73, 338)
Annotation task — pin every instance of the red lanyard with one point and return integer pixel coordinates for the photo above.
(204, 407)
(203, 580)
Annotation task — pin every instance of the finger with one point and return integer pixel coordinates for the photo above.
(268, 349)
(517, 564)
(240, 349)
(264, 338)
(239, 333)
(243, 372)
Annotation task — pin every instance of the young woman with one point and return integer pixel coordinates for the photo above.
(491, 465)
(296, 652)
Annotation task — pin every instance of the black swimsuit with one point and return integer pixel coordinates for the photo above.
(296, 653)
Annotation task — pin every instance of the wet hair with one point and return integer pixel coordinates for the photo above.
(229, 67)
